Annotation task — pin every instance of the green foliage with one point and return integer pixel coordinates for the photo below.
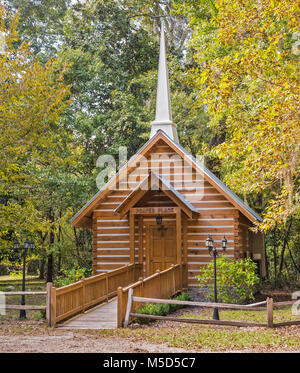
(41, 24)
(161, 309)
(108, 56)
(16, 275)
(247, 61)
(235, 279)
(71, 275)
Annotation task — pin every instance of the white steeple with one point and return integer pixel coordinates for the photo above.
(163, 116)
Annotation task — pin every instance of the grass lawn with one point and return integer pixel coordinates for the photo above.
(9, 279)
(196, 337)
(280, 314)
(219, 338)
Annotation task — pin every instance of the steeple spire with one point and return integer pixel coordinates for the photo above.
(163, 116)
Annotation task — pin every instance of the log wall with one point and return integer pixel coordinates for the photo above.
(218, 217)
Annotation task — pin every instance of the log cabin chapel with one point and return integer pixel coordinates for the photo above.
(160, 207)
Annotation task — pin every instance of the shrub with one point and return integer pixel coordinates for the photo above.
(235, 279)
(161, 309)
(70, 275)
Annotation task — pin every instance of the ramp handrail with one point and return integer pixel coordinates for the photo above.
(69, 300)
(162, 284)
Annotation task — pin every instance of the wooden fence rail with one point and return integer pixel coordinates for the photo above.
(29, 306)
(75, 298)
(162, 284)
(253, 307)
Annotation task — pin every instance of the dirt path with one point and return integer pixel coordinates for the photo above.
(70, 342)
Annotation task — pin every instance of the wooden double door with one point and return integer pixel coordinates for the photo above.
(162, 250)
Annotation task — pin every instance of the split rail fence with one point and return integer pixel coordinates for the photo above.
(134, 300)
(28, 306)
(69, 300)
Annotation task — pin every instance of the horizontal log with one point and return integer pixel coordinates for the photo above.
(199, 189)
(205, 197)
(286, 323)
(111, 230)
(204, 252)
(256, 304)
(199, 304)
(286, 303)
(112, 245)
(113, 252)
(21, 307)
(194, 266)
(202, 237)
(105, 238)
(113, 259)
(197, 321)
(210, 222)
(115, 224)
(119, 192)
(202, 244)
(168, 175)
(212, 204)
(111, 199)
(106, 214)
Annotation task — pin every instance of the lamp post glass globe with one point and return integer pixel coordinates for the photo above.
(224, 244)
(158, 219)
(209, 242)
(16, 245)
(26, 244)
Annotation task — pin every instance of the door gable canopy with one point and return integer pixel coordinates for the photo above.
(156, 182)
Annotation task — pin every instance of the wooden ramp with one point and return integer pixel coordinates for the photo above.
(103, 316)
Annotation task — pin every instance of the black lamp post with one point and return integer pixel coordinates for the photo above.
(214, 252)
(28, 245)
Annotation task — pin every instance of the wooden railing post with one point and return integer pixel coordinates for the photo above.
(181, 276)
(128, 308)
(185, 278)
(141, 286)
(159, 281)
(173, 279)
(48, 303)
(53, 307)
(120, 307)
(270, 312)
(106, 284)
(82, 300)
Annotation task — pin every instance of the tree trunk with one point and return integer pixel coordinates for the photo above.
(42, 269)
(275, 254)
(286, 236)
(50, 256)
(293, 260)
(50, 268)
(76, 245)
(59, 254)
